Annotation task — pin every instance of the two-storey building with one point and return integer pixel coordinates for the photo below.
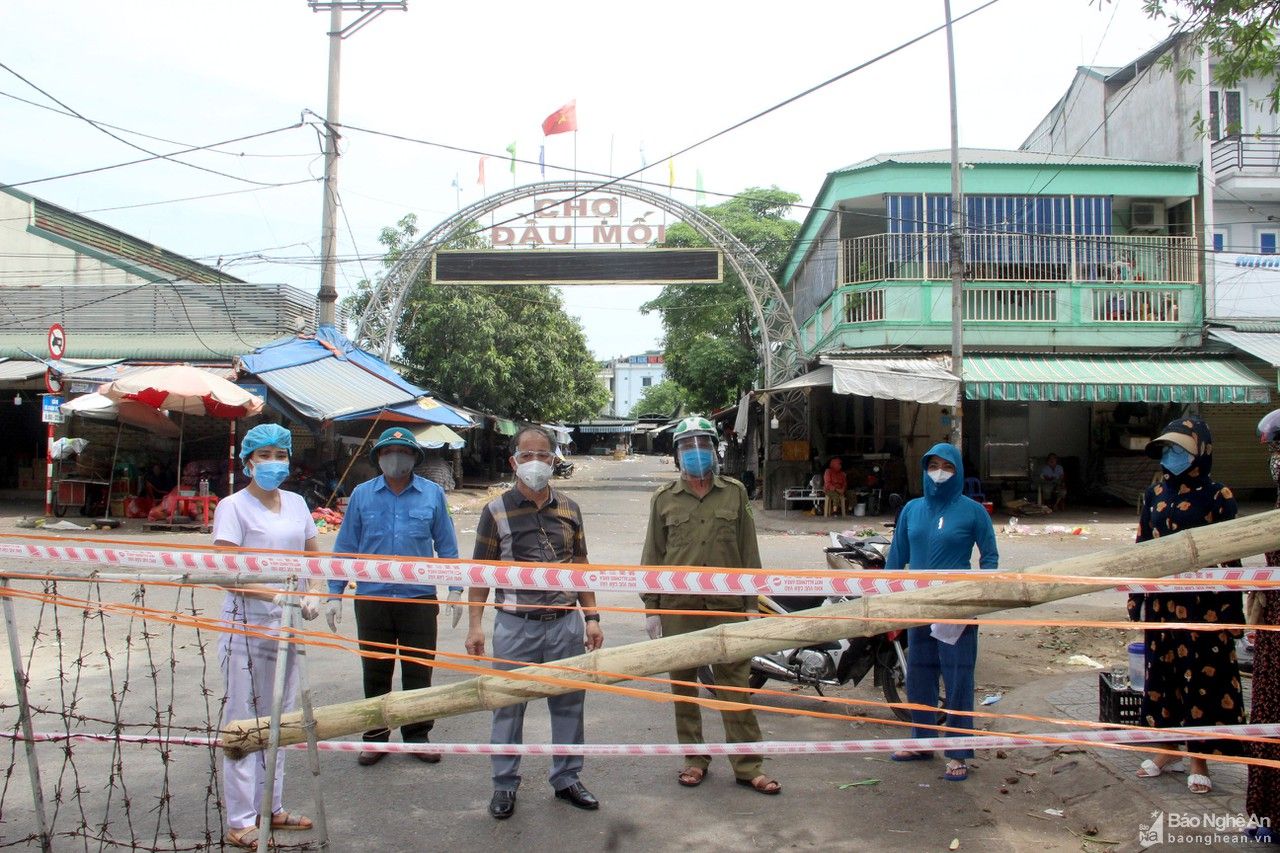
(1150, 109)
(1082, 326)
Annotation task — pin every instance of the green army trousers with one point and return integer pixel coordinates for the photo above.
(739, 726)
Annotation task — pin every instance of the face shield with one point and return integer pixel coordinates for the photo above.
(696, 456)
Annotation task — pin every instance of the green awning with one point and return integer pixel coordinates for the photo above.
(505, 427)
(1154, 378)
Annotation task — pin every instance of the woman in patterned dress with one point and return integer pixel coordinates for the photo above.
(1263, 797)
(1192, 678)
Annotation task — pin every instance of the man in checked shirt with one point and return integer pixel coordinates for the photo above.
(533, 523)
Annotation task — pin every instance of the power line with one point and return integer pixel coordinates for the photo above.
(264, 185)
(67, 113)
(104, 129)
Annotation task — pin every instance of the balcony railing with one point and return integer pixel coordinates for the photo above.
(1257, 154)
(1020, 257)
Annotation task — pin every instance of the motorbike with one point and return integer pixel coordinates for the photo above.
(563, 469)
(845, 661)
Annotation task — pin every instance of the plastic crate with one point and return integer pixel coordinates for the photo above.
(1118, 704)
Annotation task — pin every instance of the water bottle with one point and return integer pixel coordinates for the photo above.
(204, 487)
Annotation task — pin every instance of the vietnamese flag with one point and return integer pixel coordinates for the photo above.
(562, 120)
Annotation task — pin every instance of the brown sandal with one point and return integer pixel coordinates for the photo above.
(762, 784)
(246, 837)
(691, 777)
(285, 822)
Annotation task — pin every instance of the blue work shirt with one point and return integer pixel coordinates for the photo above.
(414, 523)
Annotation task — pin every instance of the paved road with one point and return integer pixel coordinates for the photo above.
(402, 804)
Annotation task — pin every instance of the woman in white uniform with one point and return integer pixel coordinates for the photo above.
(260, 516)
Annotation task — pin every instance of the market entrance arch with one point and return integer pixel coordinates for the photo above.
(779, 334)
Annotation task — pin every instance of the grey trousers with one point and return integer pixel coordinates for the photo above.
(531, 641)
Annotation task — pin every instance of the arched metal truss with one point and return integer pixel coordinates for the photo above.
(779, 335)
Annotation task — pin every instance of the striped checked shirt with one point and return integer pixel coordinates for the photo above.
(512, 527)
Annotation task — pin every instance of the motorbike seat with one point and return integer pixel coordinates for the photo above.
(793, 603)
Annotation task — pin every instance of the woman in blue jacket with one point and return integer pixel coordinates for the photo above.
(938, 532)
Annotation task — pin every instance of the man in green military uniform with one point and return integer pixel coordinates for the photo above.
(704, 519)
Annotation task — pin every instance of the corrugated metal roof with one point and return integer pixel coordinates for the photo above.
(20, 370)
(112, 372)
(331, 387)
(1128, 379)
(1264, 345)
(1001, 157)
(155, 347)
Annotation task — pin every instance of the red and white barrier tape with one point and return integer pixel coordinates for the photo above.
(768, 747)
(554, 576)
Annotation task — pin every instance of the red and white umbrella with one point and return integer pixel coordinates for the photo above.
(189, 391)
(185, 389)
(126, 412)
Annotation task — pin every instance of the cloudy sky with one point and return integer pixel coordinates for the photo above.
(652, 76)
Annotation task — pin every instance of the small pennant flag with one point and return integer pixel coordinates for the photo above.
(644, 161)
(511, 149)
(454, 183)
(671, 172)
(562, 120)
(701, 195)
(480, 176)
(542, 159)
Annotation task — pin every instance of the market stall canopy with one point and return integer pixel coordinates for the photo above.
(563, 434)
(1264, 345)
(602, 426)
(1157, 378)
(422, 410)
(922, 379)
(503, 426)
(185, 389)
(103, 408)
(325, 377)
(437, 436)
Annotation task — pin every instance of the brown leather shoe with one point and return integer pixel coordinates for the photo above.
(368, 759)
(427, 757)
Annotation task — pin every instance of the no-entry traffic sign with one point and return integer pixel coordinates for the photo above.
(57, 341)
(52, 381)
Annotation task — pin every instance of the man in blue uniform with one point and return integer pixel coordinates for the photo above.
(397, 513)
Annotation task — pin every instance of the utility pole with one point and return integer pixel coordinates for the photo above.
(955, 244)
(369, 9)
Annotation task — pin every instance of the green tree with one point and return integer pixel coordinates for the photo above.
(710, 338)
(509, 350)
(1239, 34)
(665, 398)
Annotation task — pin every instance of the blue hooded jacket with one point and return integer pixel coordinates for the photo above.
(938, 531)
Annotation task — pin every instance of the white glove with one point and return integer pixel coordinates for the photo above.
(284, 599)
(333, 613)
(310, 607)
(653, 626)
(455, 607)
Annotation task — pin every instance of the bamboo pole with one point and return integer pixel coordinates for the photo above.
(1181, 552)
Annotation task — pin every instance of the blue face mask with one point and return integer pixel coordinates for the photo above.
(269, 475)
(1175, 459)
(696, 461)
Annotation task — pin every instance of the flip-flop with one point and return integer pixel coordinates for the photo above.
(767, 786)
(957, 771)
(701, 779)
(908, 755)
(284, 822)
(1199, 784)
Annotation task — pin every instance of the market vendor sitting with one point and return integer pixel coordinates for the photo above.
(834, 485)
(158, 482)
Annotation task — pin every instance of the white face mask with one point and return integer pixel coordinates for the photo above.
(534, 474)
(940, 476)
(395, 464)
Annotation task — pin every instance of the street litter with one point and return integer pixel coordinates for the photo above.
(64, 525)
(1054, 812)
(1013, 528)
(863, 783)
(1083, 660)
(992, 698)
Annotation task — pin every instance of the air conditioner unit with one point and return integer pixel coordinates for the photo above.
(1147, 216)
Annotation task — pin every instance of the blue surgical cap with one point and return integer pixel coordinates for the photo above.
(264, 435)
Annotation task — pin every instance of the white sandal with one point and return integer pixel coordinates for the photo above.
(1197, 781)
(1150, 770)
